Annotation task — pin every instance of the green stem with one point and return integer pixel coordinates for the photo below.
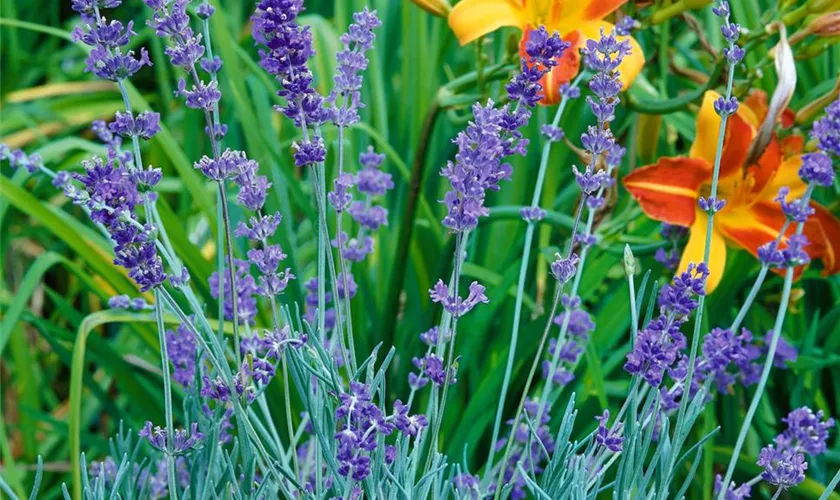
(342, 261)
(759, 280)
(445, 331)
(831, 486)
(525, 390)
(768, 363)
(167, 398)
(234, 300)
(701, 303)
(520, 289)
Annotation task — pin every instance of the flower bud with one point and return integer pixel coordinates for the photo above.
(629, 261)
(827, 24)
(438, 8)
(648, 135)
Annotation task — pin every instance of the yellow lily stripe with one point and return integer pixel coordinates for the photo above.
(663, 188)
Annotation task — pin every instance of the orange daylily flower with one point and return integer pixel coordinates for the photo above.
(669, 190)
(575, 20)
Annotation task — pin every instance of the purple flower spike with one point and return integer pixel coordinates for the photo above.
(609, 439)
(733, 492)
(591, 182)
(181, 347)
(711, 204)
(532, 214)
(309, 153)
(183, 442)
(410, 425)
(770, 255)
(817, 168)
(826, 130)
(781, 467)
(286, 49)
(726, 107)
(806, 431)
(552, 133)
(795, 210)
(453, 304)
(564, 269)
(795, 254)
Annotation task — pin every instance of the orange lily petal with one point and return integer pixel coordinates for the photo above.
(632, 64)
(696, 247)
(668, 190)
(793, 145)
(736, 143)
(767, 167)
(739, 134)
(470, 19)
(752, 227)
(756, 104)
(826, 227)
(588, 10)
(756, 107)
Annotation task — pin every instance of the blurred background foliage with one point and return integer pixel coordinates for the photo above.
(57, 272)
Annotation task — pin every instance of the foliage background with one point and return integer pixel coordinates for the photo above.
(57, 271)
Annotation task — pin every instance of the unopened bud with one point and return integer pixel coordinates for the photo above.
(827, 24)
(629, 261)
(648, 134)
(438, 8)
(816, 47)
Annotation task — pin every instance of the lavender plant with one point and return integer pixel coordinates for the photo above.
(355, 438)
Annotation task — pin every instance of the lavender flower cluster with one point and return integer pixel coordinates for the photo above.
(350, 437)
(783, 462)
(493, 135)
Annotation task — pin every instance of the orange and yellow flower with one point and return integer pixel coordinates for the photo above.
(669, 190)
(575, 20)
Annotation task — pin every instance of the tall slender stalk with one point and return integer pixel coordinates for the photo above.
(167, 398)
(342, 261)
(158, 308)
(768, 363)
(707, 248)
(448, 322)
(231, 272)
(520, 286)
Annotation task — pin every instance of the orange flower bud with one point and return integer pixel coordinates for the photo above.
(827, 24)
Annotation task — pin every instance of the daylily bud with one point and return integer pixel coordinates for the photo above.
(815, 47)
(827, 24)
(648, 135)
(438, 8)
(629, 261)
(807, 112)
(819, 6)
